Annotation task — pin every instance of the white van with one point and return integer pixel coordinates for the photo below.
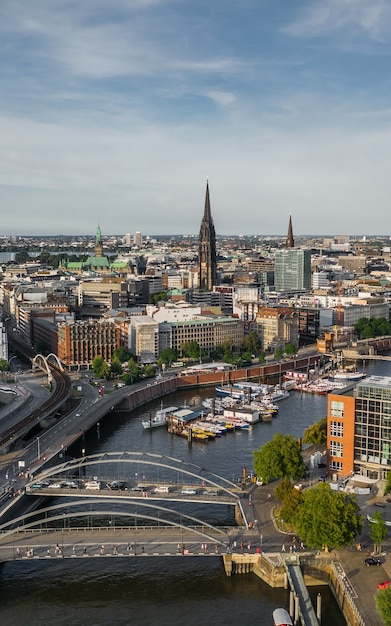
(162, 489)
(92, 484)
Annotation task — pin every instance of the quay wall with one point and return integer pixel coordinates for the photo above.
(150, 392)
(259, 372)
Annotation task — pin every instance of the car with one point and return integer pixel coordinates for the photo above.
(137, 488)
(384, 585)
(116, 485)
(188, 492)
(371, 561)
(210, 492)
(55, 485)
(71, 484)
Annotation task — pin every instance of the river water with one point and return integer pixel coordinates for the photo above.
(158, 591)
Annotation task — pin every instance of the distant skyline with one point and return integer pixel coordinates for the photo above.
(116, 112)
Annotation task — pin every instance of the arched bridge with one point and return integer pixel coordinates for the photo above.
(43, 363)
(130, 491)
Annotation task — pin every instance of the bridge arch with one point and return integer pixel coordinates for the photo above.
(147, 459)
(39, 518)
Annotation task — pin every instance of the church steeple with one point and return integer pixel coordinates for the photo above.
(207, 265)
(98, 249)
(290, 243)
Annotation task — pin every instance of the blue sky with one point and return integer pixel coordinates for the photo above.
(116, 112)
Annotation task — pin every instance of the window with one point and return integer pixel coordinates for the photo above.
(336, 429)
(336, 466)
(336, 448)
(336, 408)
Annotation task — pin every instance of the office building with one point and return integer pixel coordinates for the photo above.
(359, 429)
(292, 269)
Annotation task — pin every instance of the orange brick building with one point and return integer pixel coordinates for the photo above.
(359, 429)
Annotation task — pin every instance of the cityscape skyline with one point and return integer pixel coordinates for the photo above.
(117, 113)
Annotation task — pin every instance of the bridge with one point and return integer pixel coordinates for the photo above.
(125, 492)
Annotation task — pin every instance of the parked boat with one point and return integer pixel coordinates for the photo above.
(320, 387)
(346, 375)
(281, 617)
(160, 417)
(299, 377)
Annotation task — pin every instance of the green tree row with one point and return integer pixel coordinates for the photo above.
(366, 329)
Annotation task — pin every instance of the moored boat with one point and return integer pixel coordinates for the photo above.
(159, 419)
(346, 375)
(281, 617)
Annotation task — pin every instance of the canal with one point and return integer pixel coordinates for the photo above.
(149, 592)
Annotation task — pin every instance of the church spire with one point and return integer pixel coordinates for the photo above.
(290, 243)
(98, 248)
(207, 212)
(207, 265)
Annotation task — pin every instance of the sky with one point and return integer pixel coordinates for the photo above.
(117, 112)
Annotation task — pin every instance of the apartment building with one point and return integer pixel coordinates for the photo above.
(80, 342)
(359, 429)
(143, 338)
(277, 326)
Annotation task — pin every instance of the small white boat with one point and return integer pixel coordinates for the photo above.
(160, 417)
(346, 375)
(281, 617)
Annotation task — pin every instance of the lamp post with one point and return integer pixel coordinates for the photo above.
(38, 449)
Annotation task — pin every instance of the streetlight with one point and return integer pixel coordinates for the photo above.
(38, 449)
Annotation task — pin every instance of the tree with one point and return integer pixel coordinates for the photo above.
(290, 499)
(290, 349)
(383, 604)
(122, 354)
(154, 298)
(377, 531)
(328, 518)
(168, 356)
(281, 457)
(149, 371)
(116, 367)
(22, 257)
(97, 365)
(105, 371)
(317, 433)
(278, 354)
(387, 488)
(191, 350)
(4, 365)
(251, 343)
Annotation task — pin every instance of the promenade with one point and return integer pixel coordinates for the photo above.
(358, 580)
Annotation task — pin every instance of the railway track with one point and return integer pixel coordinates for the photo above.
(61, 389)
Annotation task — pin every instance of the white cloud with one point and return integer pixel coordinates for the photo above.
(353, 17)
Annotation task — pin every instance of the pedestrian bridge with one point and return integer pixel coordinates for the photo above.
(132, 490)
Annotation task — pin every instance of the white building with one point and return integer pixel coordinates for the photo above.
(143, 338)
(3, 343)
